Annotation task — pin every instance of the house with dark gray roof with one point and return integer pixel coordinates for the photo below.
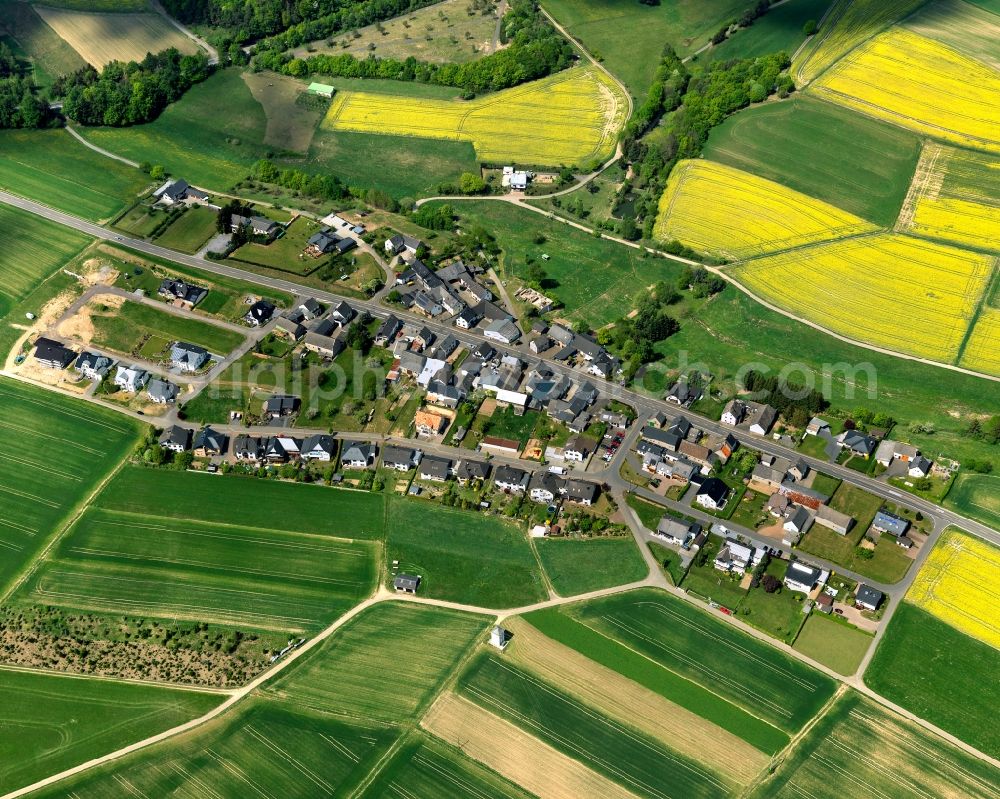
(162, 392)
(93, 366)
(388, 330)
(406, 583)
(319, 447)
(187, 357)
(358, 454)
(209, 442)
(187, 294)
(52, 354)
(322, 242)
(582, 492)
(435, 469)
(510, 479)
(869, 598)
(402, 459)
(472, 470)
(249, 448)
(176, 439)
(259, 313)
(281, 405)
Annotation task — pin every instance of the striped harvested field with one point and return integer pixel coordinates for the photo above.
(905, 294)
(921, 85)
(724, 211)
(982, 349)
(572, 117)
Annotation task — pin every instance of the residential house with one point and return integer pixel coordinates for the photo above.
(257, 225)
(177, 191)
(919, 467)
(824, 603)
(471, 470)
(248, 448)
(429, 423)
(734, 412)
(176, 438)
(614, 419)
(319, 447)
(406, 583)
(400, 243)
(675, 531)
(857, 443)
(259, 313)
(435, 469)
(446, 394)
(402, 459)
(696, 453)
(278, 405)
(468, 318)
(324, 346)
(444, 348)
(510, 479)
(322, 242)
(209, 443)
(53, 355)
(539, 344)
(733, 556)
(162, 392)
(579, 449)
(188, 357)
(358, 454)
(658, 420)
(840, 523)
(187, 294)
(131, 378)
(502, 330)
(582, 492)
(889, 451)
(798, 470)
(778, 505)
(868, 598)
(757, 417)
(388, 331)
(799, 521)
(288, 328)
(763, 419)
(801, 576)
(342, 313)
(562, 335)
(500, 446)
(888, 523)
(684, 394)
(817, 426)
(282, 449)
(712, 494)
(544, 486)
(93, 366)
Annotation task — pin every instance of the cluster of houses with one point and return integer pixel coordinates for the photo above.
(327, 242)
(902, 460)
(315, 325)
(676, 449)
(184, 357)
(754, 417)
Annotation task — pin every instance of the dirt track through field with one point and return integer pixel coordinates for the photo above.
(633, 704)
(513, 753)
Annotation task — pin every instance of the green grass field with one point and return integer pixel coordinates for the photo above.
(426, 768)
(33, 249)
(52, 722)
(779, 29)
(942, 675)
(575, 567)
(260, 749)
(463, 556)
(835, 644)
(594, 279)
(778, 614)
(623, 755)
(52, 167)
(827, 152)
(876, 752)
(140, 329)
(55, 452)
(976, 496)
(226, 500)
(285, 252)
(237, 574)
(629, 37)
(384, 665)
(188, 233)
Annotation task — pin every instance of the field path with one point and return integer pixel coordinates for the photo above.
(213, 54)
(107, 153)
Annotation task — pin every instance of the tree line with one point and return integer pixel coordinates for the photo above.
(129, 93)
(20, 107)
(535, 50)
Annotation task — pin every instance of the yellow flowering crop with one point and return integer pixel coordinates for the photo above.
(568, 118)
(904, 294)
(919, 84)
(848, 24)
(960, 584)
(725, 211)
(982, 350)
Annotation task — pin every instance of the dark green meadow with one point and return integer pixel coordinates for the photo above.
(257, 503)
(51, 722)
(55, 453)
(942, 675)
(780, 29)
(623, 755)
(831, 153)
(578, 566)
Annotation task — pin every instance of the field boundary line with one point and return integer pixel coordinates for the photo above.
(992, 285)
(73, 675)
(100, 150)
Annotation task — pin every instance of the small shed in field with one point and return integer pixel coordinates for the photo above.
(322, 89)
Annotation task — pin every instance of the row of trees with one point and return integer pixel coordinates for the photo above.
(796, 403)
(324, 187)
(129, 93)
(535, 50)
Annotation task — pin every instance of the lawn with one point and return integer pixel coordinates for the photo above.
(52, 722)
(669, 561)
(824, 483)
(284, 252)
(224, 500)
(976, 496)
(190, 230)
(56, 451)
(593, 278)
(629, 37)
(942, 675)
(841, 157)
(150, 565)
(359, 672)
(649, 513)
(690, 641)
(140, 329)
(750, 512)
(658, 674)
(877, 753)
(33, 250)
(778, 614)
(856, 502)
(575, 567)
(835, 644)
(52, 167)
(504, 423)
(625, 756)
(707, 582)
(260, 749)
(780, 29)
(462, 556)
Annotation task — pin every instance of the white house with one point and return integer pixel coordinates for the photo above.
(733, 556)
(131, 378)
(712, 494)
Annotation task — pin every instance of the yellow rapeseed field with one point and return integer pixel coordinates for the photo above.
(982, 350)
(960, 584)
(894, 291)
(568, 118)
(847, 25)
(919, 84)
(725, 211)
